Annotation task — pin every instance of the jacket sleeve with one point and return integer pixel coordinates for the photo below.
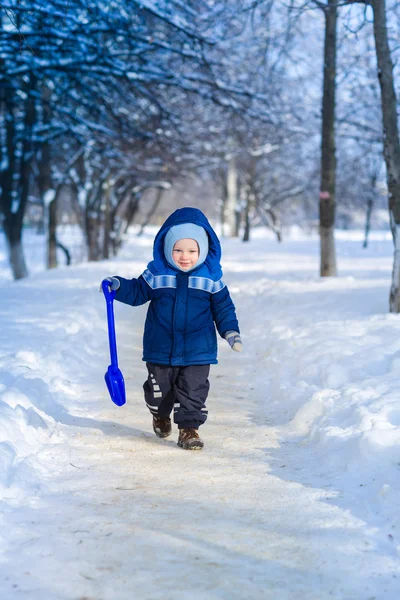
(133, 291)
(223, 311)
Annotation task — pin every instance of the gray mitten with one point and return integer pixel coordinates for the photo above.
(234, 340)
(114, 283)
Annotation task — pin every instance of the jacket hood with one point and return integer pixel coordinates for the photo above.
(211, 265)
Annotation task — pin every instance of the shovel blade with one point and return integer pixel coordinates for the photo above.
(116, 385)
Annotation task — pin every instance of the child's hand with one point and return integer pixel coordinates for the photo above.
(114, 283)
(234, 340)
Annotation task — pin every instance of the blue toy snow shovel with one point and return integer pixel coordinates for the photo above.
(114, 378)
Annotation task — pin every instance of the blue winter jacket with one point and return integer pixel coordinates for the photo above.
(184, 306)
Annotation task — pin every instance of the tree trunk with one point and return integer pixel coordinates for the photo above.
(107, 222)
(16, 177)
(150, 214)
(13, 234)
(66, 252)
(270, 219)
(52, 234)
(239, 207)
(275, 223)
(224, 195)
(247, 211)
(131, 211)
(370, 204)
(92, 236)
(391, 146)
(328, 157)
(238, 221)
(45, 186)
(93, 217)
(12, 224)
(232, 197)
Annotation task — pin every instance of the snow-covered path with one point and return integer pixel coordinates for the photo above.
(290, 497)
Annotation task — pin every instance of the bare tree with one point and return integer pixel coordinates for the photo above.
(327, 201)
(16, 159)
(160, 187)
(391, 142)
(112, 73)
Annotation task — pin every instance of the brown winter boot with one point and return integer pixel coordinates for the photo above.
(162, 426)
(189, 439)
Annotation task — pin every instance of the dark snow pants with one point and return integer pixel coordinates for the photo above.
(181, 389)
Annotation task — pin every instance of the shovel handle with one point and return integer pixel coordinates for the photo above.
(107, 291)
(109, 296)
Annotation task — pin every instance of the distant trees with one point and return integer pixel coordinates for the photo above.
(389, 140)
(102, 102)
(90, 96)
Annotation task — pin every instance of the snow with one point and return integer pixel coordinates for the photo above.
(49, 197)
(296, 491)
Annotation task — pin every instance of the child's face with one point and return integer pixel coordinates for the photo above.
(185, 253)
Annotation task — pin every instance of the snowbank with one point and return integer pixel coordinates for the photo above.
(312, 403)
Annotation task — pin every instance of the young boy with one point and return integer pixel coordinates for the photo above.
(187, 296)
